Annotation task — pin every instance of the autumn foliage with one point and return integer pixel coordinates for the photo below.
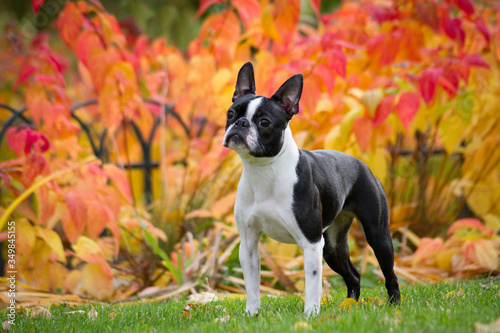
(410, 87)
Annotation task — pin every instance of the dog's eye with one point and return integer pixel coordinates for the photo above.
(230, 114)
(265, 123)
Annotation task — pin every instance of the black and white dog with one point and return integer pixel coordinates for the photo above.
(302, 197)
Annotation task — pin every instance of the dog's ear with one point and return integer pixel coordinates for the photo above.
(245, 84)
(289, 94)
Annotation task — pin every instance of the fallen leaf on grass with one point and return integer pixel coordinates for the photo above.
(328, 318)
(488, 328)
(371, 300)
(224, 319)
(326, 299)
(302, 325)
(75, 312)
(6, 325)
(205, 297)
(40, 312)
(489, 285)
(454, 294)
(92, 314)
(112, 314)
(347, 304)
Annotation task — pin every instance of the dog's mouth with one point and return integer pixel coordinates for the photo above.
(233, 141)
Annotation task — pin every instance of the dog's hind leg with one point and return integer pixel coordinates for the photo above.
(336, 253)
(375, 221)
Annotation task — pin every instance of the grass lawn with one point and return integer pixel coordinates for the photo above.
(445, 307)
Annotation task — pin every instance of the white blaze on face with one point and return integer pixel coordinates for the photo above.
(252, 138)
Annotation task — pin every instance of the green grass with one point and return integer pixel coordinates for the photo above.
(425, 308)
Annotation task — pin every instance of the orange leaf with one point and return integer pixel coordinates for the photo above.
(362, 129)
(427, 250)
(47, 200)
(120, 180)
(97, 218)
(75, 217)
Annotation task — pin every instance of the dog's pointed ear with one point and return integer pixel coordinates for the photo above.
(245, 84)
(289, 94)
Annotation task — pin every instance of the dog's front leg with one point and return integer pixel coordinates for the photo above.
(250, 263)
(313, 268)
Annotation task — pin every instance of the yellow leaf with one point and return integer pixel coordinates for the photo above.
(371, 99)
(483, 252)
(377, 161)
(89, 251)
(348, 121)
(302, 325)
(26, 241)
(222, 206)
(347, 304)
(492, 221)
(443, 258)
(268, 25)
(53, 240)
(371, 300)
(451, 130)
(221, 80)
(95, 282)
(333, 139)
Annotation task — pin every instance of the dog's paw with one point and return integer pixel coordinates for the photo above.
(312, 310)
(252, 311)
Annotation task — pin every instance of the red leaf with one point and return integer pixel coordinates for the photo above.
(205, 4)
(383, 110)
(337, 60)
(483, 29)
(466, 5)
(37, 4)
(382, 14)
(26, 72)
(16, 139)
(248, 10)
(476, 60)
(428, 14)
(407, 107)
(453, 28)
(449, 80)
(428, 80)
(362, 129)
(323, 72)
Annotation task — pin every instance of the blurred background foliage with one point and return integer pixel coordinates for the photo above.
(409, 87)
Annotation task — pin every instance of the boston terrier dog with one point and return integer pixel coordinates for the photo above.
(301, 197)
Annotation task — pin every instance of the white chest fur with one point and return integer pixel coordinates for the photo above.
(265, 194)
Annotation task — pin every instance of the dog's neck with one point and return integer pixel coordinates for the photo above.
(285, 160)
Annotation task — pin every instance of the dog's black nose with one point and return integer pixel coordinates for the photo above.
(242, 122)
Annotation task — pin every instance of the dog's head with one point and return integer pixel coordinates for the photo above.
(255, 124)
